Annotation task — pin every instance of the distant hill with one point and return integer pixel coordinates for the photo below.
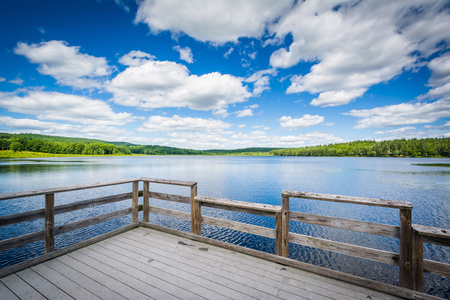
(59, 139)
(243, 150)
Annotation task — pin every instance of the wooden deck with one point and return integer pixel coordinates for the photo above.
(147, 264)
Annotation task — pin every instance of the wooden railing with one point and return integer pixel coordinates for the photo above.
(411, 237)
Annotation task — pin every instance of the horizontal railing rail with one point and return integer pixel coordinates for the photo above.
(411, 237)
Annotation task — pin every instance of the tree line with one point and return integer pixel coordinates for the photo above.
(429, 147)
(20, 143)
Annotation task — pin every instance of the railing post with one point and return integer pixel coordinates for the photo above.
(406, 249)
(135, 199)
(418, 262)
(196, 212)
(146, 208)
(285, 226)
(278, 233)
(49, 230)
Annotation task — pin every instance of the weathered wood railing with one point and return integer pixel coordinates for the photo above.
(411, 237)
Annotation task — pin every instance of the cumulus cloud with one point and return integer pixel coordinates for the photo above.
(66, 64)
(303, 122)
(402, 114)
(17, 81)
(2, 79)
(177, 123)
(136, 58)
(62, 107)
(440, 77)
(218, 21)
(355, 45)
(244, 113)
(155, 84)
(309, 139)
(261, 81)
(185, 54)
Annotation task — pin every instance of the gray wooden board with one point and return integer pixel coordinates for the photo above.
(42, 285)
(20, 288)
(247, 272)
(213, 277)
(91, 285)
(193, 273)
(252, 265)
(136, 288)
(67, 285)
(6, 293)
(147, 264)
(132, 267)
(225, 270)
(151, 270)
(108, 281)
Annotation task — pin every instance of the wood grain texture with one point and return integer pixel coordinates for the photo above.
(350, 199)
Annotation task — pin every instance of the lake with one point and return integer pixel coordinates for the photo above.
(252, 179)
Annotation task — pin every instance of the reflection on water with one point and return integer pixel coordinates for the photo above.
(253, 179)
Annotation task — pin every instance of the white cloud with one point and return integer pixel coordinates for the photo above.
(244, 113)
(17, 81)
(136, 58)
(402, 114)
(177, 123)
(440, 77)
(262, 139)
(227, 54)
(261, 81)
(65, 63)
(185, 54)
(2, 79)
(218, 21)
(396, 131)
(157, 84)
(62, 107)
(222, 113)
(303, 122)
(356, 44)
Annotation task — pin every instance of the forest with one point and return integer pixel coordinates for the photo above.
(429, 147)
(19, 143)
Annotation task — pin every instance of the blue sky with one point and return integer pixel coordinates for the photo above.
(226, 73)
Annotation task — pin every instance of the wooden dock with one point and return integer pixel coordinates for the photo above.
(147, 264)
(146, 261)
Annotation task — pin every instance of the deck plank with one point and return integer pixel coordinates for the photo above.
(63, 283)
(214, 273)
(104, 279)
(250, 269)
(6, 293)
(303, 277)
(42, 285)
(222, 267)
(91, 285)
(20, 288)
(192, 274)
(132, 267)
(147, 264)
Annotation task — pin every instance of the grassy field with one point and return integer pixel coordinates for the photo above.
(433, 165)
(27, 154)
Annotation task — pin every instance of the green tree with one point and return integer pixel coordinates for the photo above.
(16, 147)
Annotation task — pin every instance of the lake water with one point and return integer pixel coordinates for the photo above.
(253, 179)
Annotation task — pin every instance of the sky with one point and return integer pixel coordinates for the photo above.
(226, 74)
